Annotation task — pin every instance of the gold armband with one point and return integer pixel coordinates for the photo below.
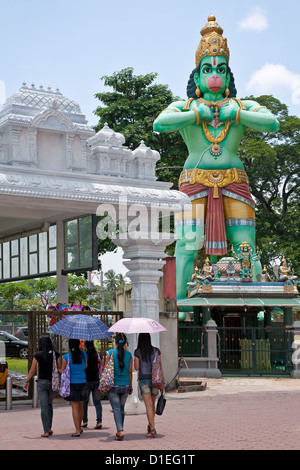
(197, 115)
(257, 108)
(172, 109)
(237, 116)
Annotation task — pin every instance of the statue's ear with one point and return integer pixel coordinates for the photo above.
(196, 78)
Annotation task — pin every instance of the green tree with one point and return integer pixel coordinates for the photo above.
(272, 162)
(14, 291)
(111, 281)
(131, 107)
(79, 290)
(46, 290)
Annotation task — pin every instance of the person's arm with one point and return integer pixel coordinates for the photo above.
(63, 366)
(59, 363)
(107, 357)
(130, 377)
(136, 363)
(30, 373)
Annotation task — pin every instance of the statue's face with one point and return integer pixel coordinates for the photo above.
(214, 76)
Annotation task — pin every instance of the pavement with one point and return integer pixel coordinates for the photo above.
(230, 414)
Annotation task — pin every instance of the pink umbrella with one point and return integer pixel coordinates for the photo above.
(136, 325)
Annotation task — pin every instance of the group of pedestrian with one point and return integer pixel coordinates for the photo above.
(86, 366)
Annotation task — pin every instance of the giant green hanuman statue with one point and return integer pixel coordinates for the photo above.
(212, 123)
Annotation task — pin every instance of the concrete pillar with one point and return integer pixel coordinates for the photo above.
(144, 258)
(62, 279)
(212, 354)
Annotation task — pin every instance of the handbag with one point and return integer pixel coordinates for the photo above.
(161, 403)
(107, 377)
(55, 375)
(157, 373)
(100, 366)
(64, 389)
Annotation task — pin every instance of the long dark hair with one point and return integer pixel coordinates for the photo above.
(121, 341)
(45, 345)
(145, 346)
(191, 86)
(77, 355)
(92, 354)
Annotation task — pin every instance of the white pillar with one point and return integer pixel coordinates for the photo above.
(144, 258)
(61, 279)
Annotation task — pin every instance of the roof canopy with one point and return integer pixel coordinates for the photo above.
(238, 302)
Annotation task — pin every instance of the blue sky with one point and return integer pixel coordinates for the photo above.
(71, 44)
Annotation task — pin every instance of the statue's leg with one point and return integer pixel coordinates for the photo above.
(240, 227)
(189, 239)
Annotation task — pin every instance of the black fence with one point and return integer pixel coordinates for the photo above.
(255, 351)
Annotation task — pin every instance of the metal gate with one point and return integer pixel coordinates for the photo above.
(255, 351)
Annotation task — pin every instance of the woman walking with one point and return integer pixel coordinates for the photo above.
(118, 394)
(78, 363)
(44, 359)
(144, 356)
(94, 361)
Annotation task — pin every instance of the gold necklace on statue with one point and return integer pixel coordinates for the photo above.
(215, 149)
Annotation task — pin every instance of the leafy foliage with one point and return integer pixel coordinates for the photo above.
(131, 107)
(272, 162)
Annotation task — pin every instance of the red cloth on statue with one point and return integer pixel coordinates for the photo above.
(215, 232)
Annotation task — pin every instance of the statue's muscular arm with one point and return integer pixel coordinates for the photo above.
(173, 118)
(254, 116)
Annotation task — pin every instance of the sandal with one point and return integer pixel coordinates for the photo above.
(75, 435)
(98, 426)
(45, 435)
(84, 425)
(152, 433)
(119, 437)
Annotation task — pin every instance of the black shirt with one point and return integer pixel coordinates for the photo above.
(45, 363)
(92, 370)
(145, 370)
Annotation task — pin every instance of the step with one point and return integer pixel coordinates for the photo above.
(191, 385)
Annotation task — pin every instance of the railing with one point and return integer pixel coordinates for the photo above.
(38, 325)
(255, 351)
(191, 341)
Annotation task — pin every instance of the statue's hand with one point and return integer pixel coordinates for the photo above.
(205, 112)
(228, 111)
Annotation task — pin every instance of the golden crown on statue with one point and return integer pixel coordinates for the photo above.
(212, 42)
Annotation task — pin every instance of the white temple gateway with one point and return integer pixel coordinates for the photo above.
(56, 174)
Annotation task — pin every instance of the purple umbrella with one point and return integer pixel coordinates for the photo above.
(137, 325)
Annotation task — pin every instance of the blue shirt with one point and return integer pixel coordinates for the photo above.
(121, 377)
(77, 371)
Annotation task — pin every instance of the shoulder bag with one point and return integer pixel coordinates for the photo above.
(64, 389)
(157, 373)
(55, 375)
(107, 377)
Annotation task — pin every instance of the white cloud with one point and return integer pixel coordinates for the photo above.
(257, 21)
(273, 77)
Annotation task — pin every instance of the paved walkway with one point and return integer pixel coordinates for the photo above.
(231, 413)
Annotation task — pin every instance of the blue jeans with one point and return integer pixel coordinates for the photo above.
(92, 387)
(46, 395)
(117, 396)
